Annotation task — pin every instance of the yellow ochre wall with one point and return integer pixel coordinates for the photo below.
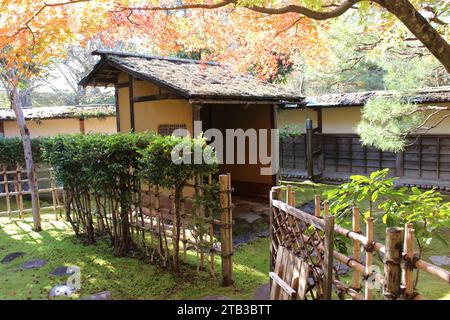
(149, 115)
(53, 127)
(343, 120)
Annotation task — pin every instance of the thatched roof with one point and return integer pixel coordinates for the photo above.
(189, 79)
(354, 99)
(41, 113)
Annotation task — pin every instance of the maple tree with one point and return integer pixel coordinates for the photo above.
(232, 17)
(31, 34)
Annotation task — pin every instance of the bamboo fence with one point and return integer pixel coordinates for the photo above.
(14, 187)
(289, 228)
(155, 228)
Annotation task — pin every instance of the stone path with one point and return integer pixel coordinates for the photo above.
(262, 293)
(33, 264)
(61, 272)
(105, 295)
(250, 221)
(12, 256)
(61, 290)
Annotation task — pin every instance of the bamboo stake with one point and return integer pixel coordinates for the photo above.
(326, 207)
(356, 249)
(211, 236)
(392, 260)
(53, 187)
(369, 257)
(6, 187)
(409, 256)
(19, 190)
(317, 205)
(226, 237)
(202, 216)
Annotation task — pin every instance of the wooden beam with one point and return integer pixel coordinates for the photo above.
(2, 129)
(122, 85)
(156, 97)
(234, 101)
(130, 90)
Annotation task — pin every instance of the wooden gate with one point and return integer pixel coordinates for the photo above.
(308, 237)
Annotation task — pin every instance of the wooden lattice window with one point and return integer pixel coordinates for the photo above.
(168, 129)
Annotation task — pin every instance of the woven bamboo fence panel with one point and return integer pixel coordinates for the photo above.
(310, 238)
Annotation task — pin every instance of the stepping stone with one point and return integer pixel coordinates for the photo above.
(262, 293)
(249, 217)
(12, 256)
(61, 290)
(440, 260)
(105, 295)
(33, 264)
(218, 297)
(62, 271)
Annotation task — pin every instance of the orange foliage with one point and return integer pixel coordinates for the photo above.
(33, 32)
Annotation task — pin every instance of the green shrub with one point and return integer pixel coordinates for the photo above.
(11, 151)
(160, 166)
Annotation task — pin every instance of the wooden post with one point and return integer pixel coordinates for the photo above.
(409, 258)
(131, 94)
(392, 260)
(82, 126)
(226, 230)
(328, 255)
(356, 248)
(369, 256)
(309, 155)
(317, 206)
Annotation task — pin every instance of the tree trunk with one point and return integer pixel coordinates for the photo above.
(16, 105)
(420, 27)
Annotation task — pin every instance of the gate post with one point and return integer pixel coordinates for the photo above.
(392, 263)
(226, 236)
(309, 155)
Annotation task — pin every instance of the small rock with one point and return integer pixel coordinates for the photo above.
(218, 297)
(61, 290)
(12, 256)
(104, 295)
(440, 260)
(262, 293)
(33, 264)
(62, 271)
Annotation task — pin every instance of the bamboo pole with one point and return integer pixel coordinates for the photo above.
(392, 260)
(202, 216)
(226, 236)
(211, 235)
(409, 257)
(6, 189)
(356, 249)
(317, 206)
(328, 253)
(53, 187)
(369, 257)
